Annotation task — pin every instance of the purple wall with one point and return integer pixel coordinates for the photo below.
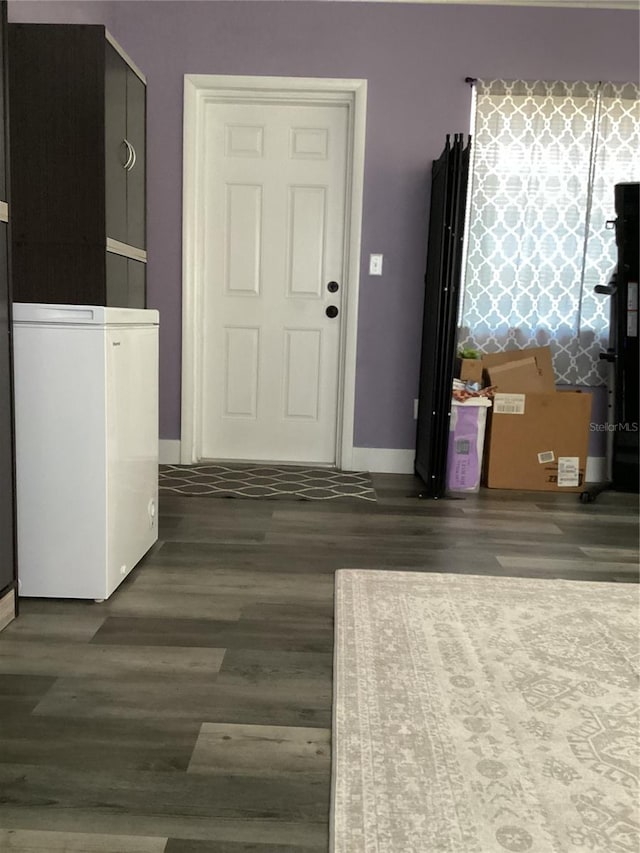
(415, 58)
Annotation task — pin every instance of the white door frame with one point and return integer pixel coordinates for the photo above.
(199, 90)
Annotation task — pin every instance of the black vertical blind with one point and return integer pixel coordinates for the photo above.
(450, 175)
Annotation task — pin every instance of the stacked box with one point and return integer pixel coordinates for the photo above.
(538, 437)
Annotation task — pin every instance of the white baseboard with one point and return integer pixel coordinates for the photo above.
(596, 469)
(381, 460)
(376, 459)
(169, 451)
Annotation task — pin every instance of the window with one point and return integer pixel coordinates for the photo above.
(546, 157)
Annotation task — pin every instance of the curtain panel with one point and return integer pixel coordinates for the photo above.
(546, 157)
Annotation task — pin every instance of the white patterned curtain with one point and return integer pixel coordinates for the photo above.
(546, 157)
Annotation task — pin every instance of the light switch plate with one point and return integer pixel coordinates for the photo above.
(375, 264)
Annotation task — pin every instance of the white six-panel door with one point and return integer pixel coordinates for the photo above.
(273, 236)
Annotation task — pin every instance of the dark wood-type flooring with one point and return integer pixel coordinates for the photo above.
(191, 712)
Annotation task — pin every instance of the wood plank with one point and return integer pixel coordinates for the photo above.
(75, 628)
(181, 845)
(285, 634)
(102, 744)
(262, 751)
(204, 533)
(300, 836)
(138, 699)
(231, 583)
(179, 633)
(618, 555)
(561, 565)
(110, 662)
(19, 694)
(30, 841)
(167, 798)
(167, 602)
(268, 665)
(384, 525)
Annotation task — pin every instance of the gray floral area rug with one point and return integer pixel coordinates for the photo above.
(265, 481)
(484, 715)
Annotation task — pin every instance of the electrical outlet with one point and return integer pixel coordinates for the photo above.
(375, 264)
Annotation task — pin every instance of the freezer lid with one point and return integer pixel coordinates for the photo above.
(83, 315)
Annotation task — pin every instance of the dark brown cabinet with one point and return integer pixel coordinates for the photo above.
(7, 488)
(125, 98)
(78, 130)
(126, 281)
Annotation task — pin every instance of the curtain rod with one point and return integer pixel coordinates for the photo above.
(471, 80)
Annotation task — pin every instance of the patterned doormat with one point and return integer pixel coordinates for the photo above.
(253, 481)
(484, 715)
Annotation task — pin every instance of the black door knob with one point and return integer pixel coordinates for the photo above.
(332, 286)
(331, 311)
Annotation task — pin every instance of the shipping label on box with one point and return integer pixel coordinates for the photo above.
(571, 478)
(509, 404)
(568, 471)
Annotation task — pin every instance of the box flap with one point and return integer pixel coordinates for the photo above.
(542, 356)
(519, 377)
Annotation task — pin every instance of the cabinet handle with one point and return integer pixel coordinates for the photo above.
(130, 154)
(135, 157)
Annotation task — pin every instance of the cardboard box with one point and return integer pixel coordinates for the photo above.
(542, 356)
(538, 442)
(522, 376)
(471, 370)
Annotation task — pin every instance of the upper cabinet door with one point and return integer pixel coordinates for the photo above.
(3, 37)
(6, 427)
(136, 175)
(118, 151)
(7, 555)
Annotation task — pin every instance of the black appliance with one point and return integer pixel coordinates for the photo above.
(622, 353)
(623, 342)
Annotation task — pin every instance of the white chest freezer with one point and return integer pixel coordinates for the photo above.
(86, 415)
